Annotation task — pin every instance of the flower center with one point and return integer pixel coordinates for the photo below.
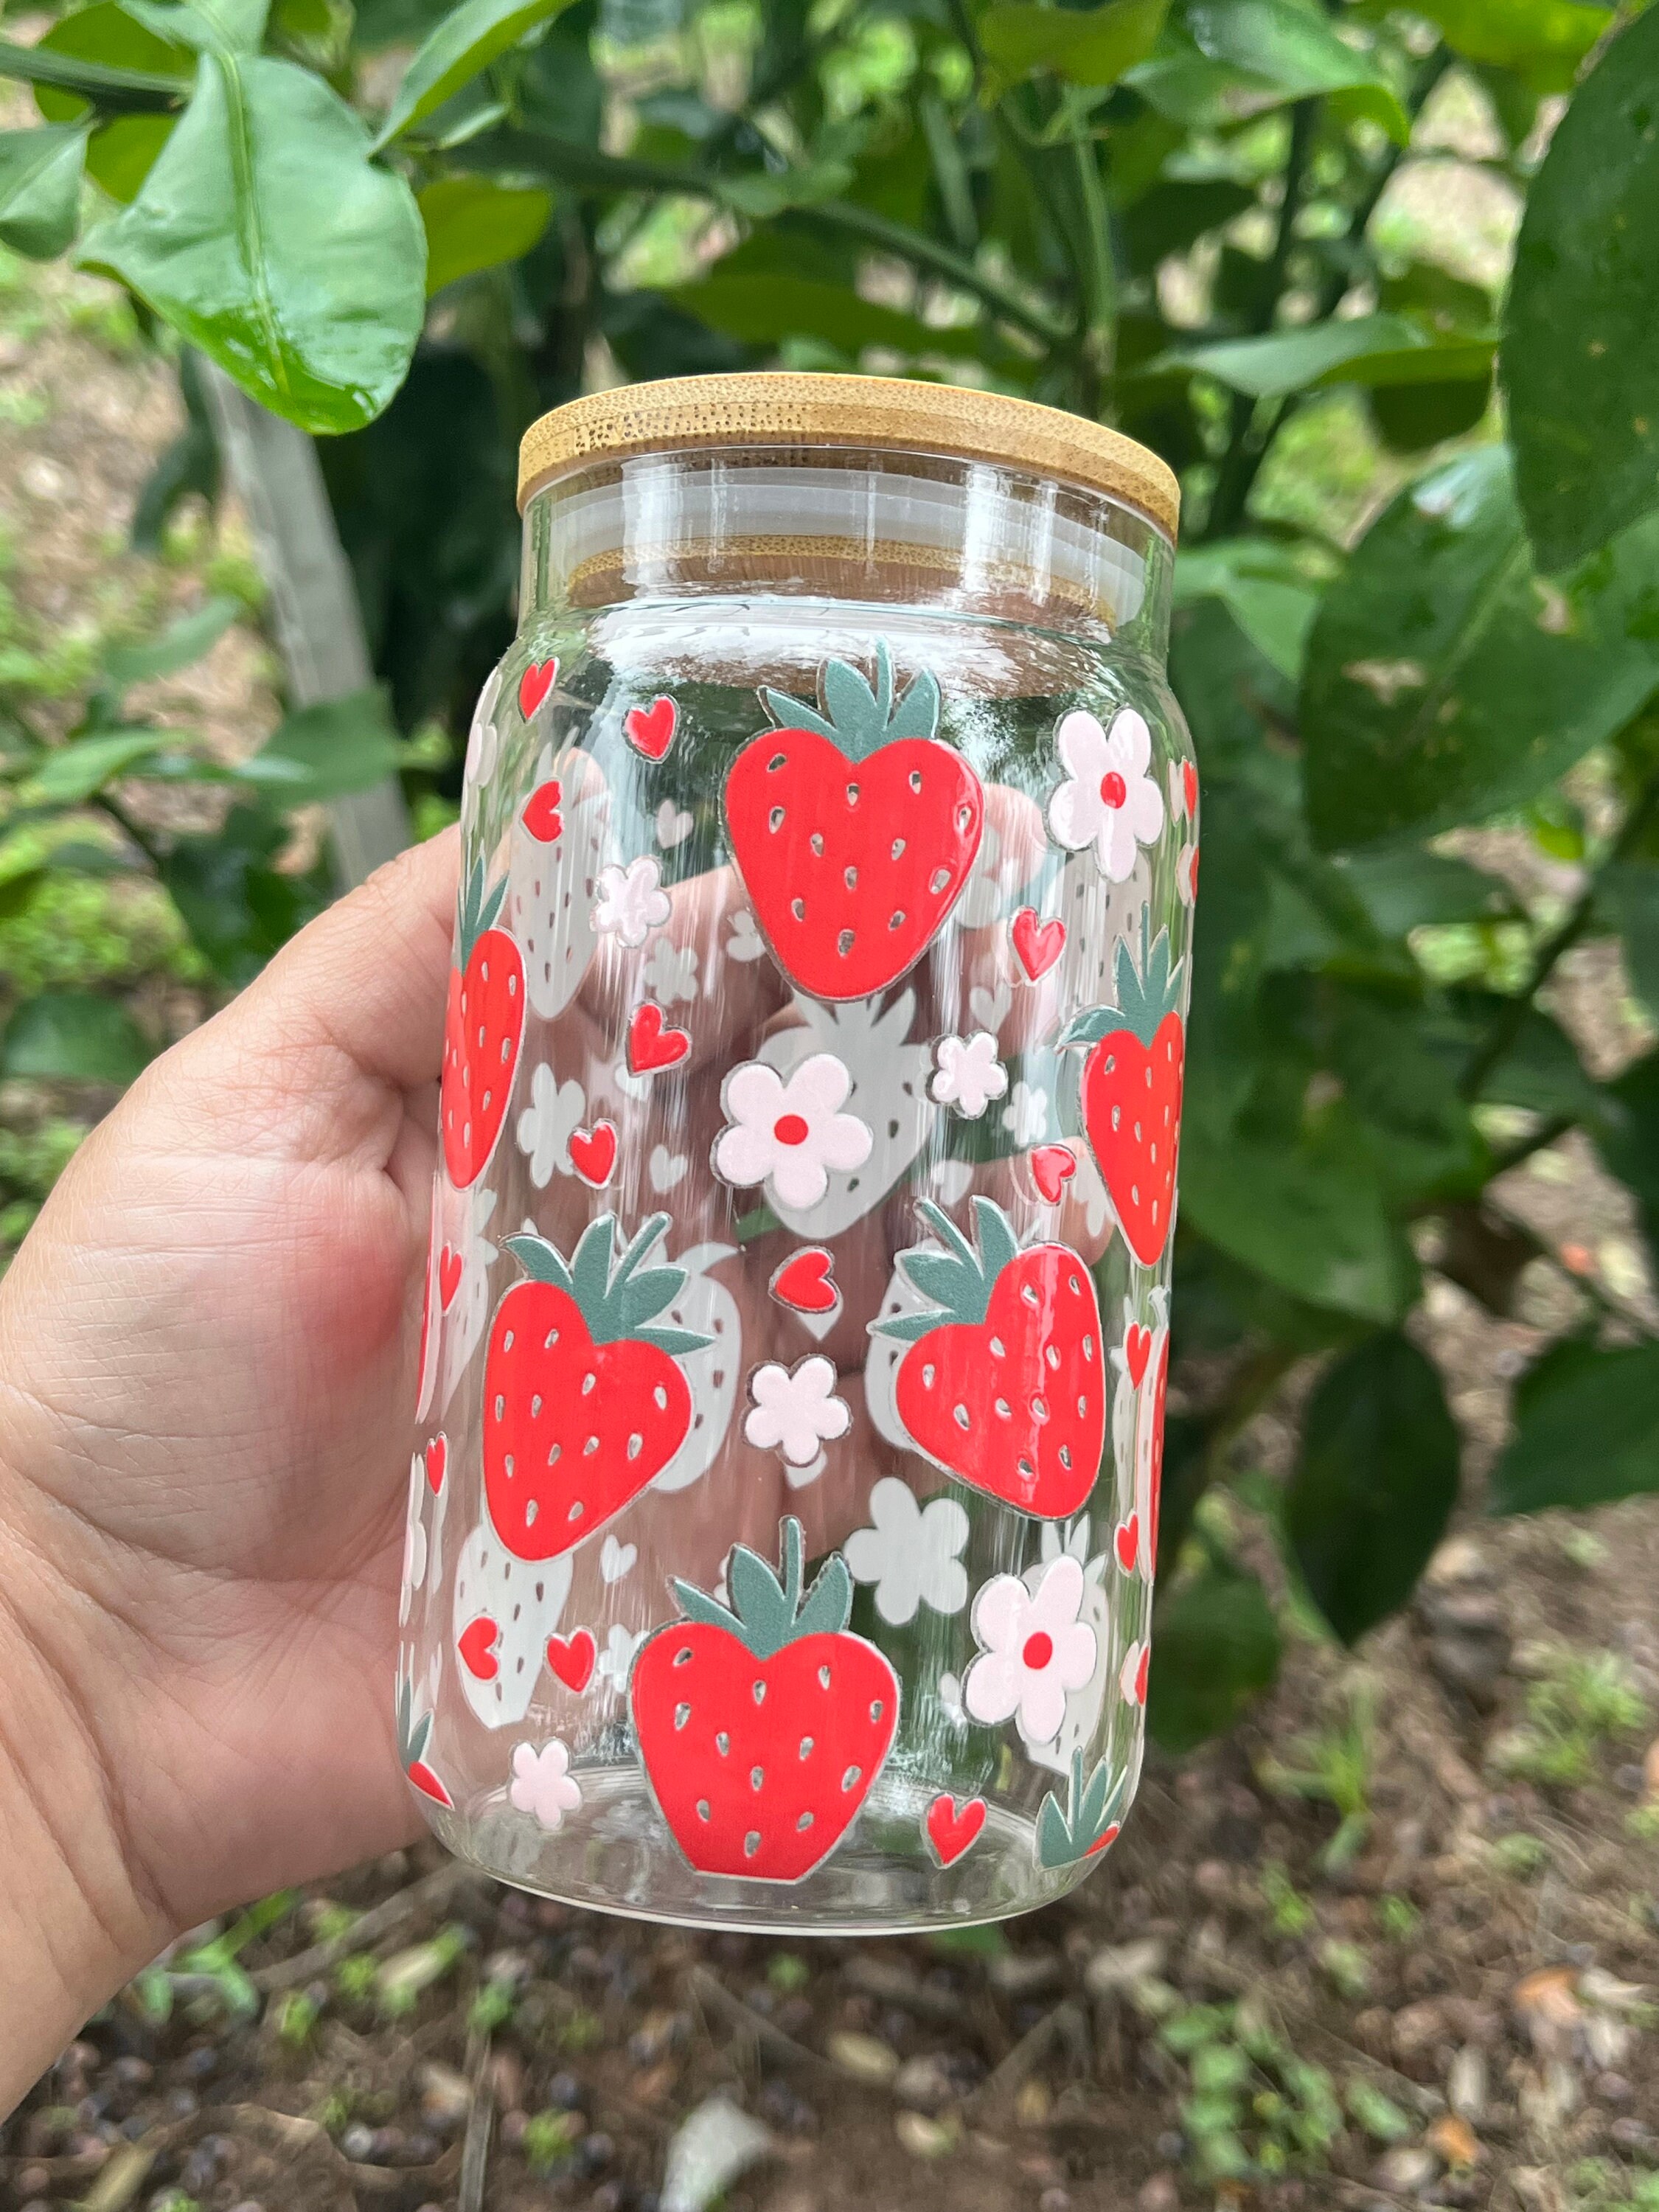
(1113, 789)
(1039, 1650)
(791, 1129)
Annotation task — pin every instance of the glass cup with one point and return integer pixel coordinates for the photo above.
(781, 1535)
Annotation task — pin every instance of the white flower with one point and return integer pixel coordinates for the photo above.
(1132, 1676)
(796, 1409)
(618, 1655)
(969, 1074)
(632, 901)
(545, 1125)
(483, 742)
(744, 943)
(414, 1543)
(1025, 1116)
(1108, 800)
(1033, 1649)
(950, 1698)
(790, 1134)
(543, 1784)
(912, 1552)
(670, 972)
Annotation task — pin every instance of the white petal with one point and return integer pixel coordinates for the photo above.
(1082, 746)
(798, 1179)
(1130, 741)
(1074, 813)
(1041, 1706)
(1000, 1612)
(991, 1690)
(744, 1155)
(755, 1095)
(1144, 808)
(1075, 1651)
(843, 1142)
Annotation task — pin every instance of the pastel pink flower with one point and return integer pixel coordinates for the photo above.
(1033, 1649)
(790, 1134)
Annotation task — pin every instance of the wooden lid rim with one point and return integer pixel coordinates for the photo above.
(889, 413)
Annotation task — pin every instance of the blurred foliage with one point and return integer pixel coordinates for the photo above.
(1392, 626)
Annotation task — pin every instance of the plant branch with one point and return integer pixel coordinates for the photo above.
(1098, 269)
(133, 831)
(117, 91)
(1507, 1022)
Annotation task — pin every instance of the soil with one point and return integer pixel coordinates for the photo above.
(1478, 1962)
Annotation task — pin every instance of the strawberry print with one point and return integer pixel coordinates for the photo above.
(1003, 1379)
(1131, 1081)
(483, 1032)
(1090, 1819)
(705, 1307)
(1142, 1362)
(503, 1612)
(854, 829)
(557, 852)
(414, 1735)
(762, 1727)
(584, 1398)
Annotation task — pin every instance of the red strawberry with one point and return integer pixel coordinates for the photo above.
(481, 1035)
(584, 1402)
(414, 1733)
(762, 1727)
(854, 829)
(1132, 1094)
(1003, 1385)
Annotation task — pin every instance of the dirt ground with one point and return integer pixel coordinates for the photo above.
(1458, 2005)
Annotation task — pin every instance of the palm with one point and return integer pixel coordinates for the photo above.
(219, 1386)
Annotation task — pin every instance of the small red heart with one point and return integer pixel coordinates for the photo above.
(1189, 785)
(1101, 1842)
(650, 730)
(571, 1658)
(1052, 1167)
(534, 685)
(1140, 1674)
(477, 1645)
(652, 1043)
(449, 1276)
(541, 816)
(1039, 944)
(1137, 1350)
(593, 1153)
(805, 1283)
(1127, 1542)
(436, 1460)
(953, 1824)
(422, 1778)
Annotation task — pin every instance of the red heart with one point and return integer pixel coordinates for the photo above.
(571, 1658)
(1127, 1542)
(805, 1284)
(651, 1042)
(1189, 785)
(593, 1153)
(1144, 1662)
(1101, 1842)
(449, 1276)
(1052, 1167)
(650, 730)
(1039, 944)
(475, 1644)
(541, 816)
(534, 685)
(1137, 1350)
(437, 1458)
(953, 1824)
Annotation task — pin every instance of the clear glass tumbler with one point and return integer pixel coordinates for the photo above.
(783, 1530)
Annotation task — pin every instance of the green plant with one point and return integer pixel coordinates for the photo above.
(1397, 1916)
(549, 2139)
(295, 2019)
(1289, 1912)
(1335, 1767)
(1584, 1701)
(1172, 215)
(1256, 2108)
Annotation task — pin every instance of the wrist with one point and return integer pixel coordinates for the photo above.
(74, 1923)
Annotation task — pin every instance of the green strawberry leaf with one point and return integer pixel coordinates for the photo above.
(541, 1262)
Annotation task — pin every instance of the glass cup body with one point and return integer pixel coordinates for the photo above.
(782, 1526)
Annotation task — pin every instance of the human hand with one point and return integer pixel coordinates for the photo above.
(207, 1370)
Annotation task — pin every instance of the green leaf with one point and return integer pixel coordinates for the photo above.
(1587, 1430)
(1215, 1648)
(763, 310)
(472, 223)
(1296, 50)
(238, 908)
(1270, 600)
(1444, 682)
(1374, 1483)
(121, 153)
(1091, 46)
(325, 751)
(467, 39)
(1627, 896)
(70, 773)
(1544, 39)
(268, 238)
(40, 188)
(1625, 1127)
(1404, 888)
(1580, 342)
(1380, 350)
(181, 644)
(73, 1036)
(1316, 1227)
(233, 26)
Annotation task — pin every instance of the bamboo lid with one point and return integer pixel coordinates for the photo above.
(889, 413)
